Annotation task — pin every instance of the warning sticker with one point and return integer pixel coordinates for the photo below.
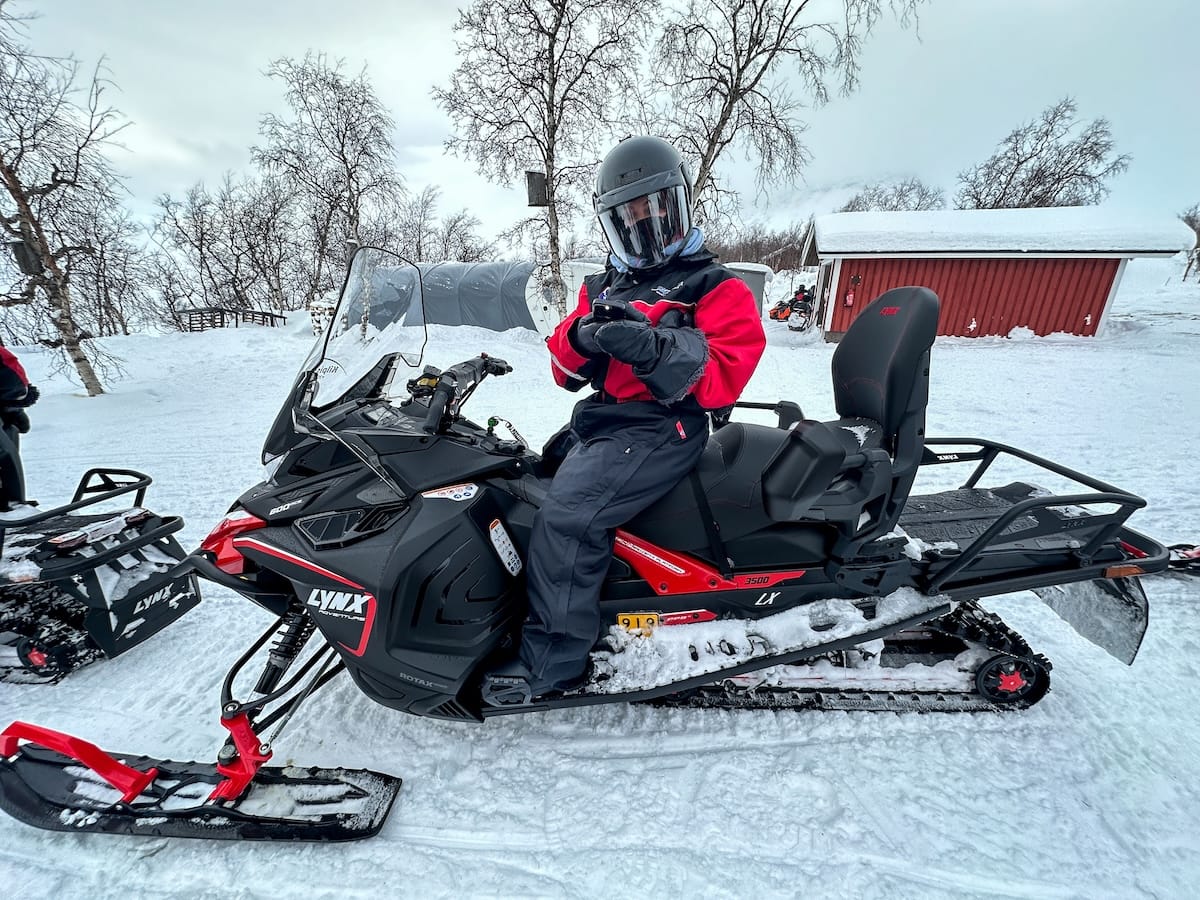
(504, 547)
(457, 492)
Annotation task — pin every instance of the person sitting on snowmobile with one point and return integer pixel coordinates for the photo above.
(664, 335)
(16, 394)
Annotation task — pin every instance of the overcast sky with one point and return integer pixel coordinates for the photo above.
(189, 76)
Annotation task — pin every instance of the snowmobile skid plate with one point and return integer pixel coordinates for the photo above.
(78, 787)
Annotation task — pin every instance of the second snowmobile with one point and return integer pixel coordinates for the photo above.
(89, 579)
(793, 568)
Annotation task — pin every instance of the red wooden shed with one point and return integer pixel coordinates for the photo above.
(1048, 270)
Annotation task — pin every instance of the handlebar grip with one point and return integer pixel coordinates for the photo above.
(438, 403)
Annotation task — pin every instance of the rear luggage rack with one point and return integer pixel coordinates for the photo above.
(1086, 539)
(96, 486)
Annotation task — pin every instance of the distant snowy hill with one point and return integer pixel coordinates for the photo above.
(1092, 793)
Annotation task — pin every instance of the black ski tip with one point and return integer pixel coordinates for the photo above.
(48, 790)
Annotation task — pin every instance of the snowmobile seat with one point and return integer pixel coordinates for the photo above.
(881, 387)
(852, 474)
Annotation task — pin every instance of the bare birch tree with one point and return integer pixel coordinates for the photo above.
(1191, 218)
(723, 70)
(1053, 160)
(57, 184)
(334, 154)
(235, 247)
(893, 196)
(425, 236)
(538, 85)
(417, 225)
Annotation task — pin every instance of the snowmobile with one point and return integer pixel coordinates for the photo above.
(801, 306)
(87, 580)
(792, 568)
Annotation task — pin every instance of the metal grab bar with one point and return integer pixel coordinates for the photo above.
(1105, 525)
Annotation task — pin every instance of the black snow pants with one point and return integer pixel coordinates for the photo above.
(12, 474)
(626, 456)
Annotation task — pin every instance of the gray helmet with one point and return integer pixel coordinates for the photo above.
(643, 200)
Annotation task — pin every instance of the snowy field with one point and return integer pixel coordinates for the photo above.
(1092, 793)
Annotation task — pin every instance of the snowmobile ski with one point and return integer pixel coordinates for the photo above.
(76, 586)
(62, 783)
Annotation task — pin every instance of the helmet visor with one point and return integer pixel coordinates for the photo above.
(641, 231)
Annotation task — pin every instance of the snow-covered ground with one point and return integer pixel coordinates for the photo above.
(1092, 793)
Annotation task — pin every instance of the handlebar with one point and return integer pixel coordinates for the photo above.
(456, 384)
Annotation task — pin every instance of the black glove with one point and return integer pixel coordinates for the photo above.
(16, 418)
(32, 394)
(582, 336)
(631, 342)
(676, 318)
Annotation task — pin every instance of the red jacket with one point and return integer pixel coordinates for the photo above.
(724, 310)
(14, 383)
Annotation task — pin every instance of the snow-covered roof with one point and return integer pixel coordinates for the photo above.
(751, 267)
(1064, 229)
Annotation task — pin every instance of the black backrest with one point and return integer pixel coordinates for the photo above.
(881, 366)
(881, 372)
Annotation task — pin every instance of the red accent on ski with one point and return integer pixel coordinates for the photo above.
(37, 657)
(130, 781)
(220, 540)
(239, 774)
(333, 576)
(687, 617)
(668, 572)
(1012, 683)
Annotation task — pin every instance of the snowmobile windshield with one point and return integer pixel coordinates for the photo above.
(376, 327)
(380, 314)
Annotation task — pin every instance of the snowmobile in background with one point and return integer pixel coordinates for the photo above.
(793, 568)
(87, 580)
(802, 306)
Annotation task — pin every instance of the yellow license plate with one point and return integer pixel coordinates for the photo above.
(638, 623)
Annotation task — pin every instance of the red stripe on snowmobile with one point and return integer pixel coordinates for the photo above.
(1133, 551)
(668, 572)
(303, 563)
(130, 781)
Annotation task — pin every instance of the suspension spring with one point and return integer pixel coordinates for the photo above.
(294, 632)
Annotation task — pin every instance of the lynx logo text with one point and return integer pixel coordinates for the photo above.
(342, 604)
(167, 593)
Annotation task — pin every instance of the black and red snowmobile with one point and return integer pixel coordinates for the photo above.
(87, 580)
(792, 569)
